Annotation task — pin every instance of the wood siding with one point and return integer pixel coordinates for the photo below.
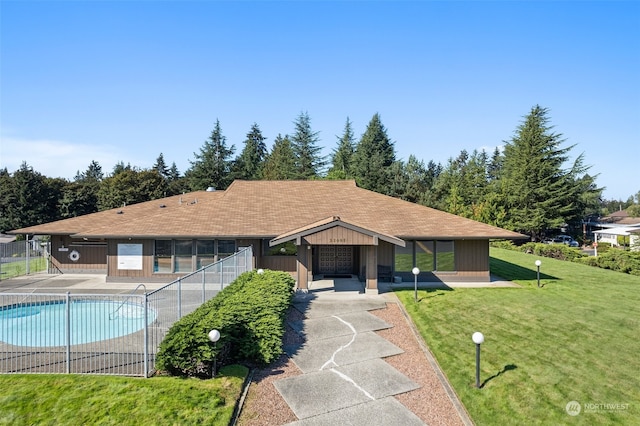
(339, 236)
(472, 255)
(92, 255)
(278, 263)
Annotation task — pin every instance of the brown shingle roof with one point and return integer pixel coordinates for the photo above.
(270, 208)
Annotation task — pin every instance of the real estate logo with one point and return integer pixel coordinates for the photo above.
(573, 408)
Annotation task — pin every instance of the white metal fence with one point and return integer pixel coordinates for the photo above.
(115, 334)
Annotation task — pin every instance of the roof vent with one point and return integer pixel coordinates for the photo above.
(211, 189)
(162, 206)
(119, 212)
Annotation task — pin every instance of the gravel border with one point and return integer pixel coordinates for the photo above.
(435, 402)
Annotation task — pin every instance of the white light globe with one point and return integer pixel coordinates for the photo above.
(261, 271)
(415, 271)
(214, 335)
(477, 338)
(538, 263)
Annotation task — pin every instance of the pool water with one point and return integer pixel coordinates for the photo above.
(44, 324)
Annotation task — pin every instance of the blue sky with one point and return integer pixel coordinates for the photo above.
(125, 80)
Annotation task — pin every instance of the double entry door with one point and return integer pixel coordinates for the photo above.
(335, 259)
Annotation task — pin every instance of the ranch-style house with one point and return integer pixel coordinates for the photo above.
(308, 228)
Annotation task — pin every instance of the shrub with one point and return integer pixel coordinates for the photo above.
(555, 251)
(249, 314)
(503, 244)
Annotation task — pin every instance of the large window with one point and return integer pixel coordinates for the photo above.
(285, 249)
(226, 248)
(162, 256)
(445, 256)
(206, 251)
(424, 255)
(404, 258)
(183, 261)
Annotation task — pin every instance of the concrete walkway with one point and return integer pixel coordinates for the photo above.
(344, 380)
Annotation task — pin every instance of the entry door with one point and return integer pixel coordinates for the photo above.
(335, 259)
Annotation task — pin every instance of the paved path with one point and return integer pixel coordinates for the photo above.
(344, 380)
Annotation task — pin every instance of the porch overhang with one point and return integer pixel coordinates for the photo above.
(335, 231)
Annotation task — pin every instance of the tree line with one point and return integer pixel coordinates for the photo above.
(529, 186)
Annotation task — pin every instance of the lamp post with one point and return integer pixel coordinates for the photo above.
(538, 263)
(415, 271)
(478, 339)
(214, 336)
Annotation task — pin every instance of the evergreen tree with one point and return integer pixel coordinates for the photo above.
(309, 162)
(280, 164)
(536, 192)
(249, 163)
(120, 167)
(130, 187)
(81, 196)
(212, 165)
(341, 158)
(161, 167)
(372, 158)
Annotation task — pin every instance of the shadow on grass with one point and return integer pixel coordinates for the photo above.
(434, 292)
(512, 272)
(506, 368)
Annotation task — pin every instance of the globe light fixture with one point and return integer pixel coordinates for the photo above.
(478, 339)
(538, 263)
(214, 336)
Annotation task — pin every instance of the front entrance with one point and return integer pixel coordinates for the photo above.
(335, 260)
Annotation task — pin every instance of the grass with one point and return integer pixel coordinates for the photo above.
(109, 400)
(16, 269)
(575, 339)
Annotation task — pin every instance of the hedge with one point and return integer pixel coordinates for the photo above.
(250, 315)
(608, 257)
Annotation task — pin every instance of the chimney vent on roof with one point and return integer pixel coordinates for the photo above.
(211, 189)
(162, 206)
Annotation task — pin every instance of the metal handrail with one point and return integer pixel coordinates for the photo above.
(112, 314)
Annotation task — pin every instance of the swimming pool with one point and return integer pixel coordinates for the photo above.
(44, 324)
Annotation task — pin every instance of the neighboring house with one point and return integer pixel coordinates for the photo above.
(618, 224)
(308, 228)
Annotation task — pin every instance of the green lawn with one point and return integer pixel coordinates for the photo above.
(575, 339)
(15, 269)
(109, 400)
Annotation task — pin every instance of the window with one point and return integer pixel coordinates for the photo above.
(162, 256)
(285, 249)
(445, 256)
(404, 258)
(183, 256)
(424, 255)
(226, 248)
(205, 250)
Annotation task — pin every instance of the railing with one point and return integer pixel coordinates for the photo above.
(77, 333)
(22, 258)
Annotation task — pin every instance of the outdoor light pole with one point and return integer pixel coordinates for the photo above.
(478, 339)
(214, 336)
(538, 263)
(415, 271)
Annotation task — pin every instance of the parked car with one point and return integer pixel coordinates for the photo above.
(564, 239)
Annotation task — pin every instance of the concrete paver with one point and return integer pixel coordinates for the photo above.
(325, 327)
(382, 412)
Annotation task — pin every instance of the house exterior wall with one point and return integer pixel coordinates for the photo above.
(91, 257)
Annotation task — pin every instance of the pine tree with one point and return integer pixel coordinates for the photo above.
(161, 167)
(372, 158)
(212, 165)
(536, 192)
(341, 158)
(249, 163)
(309, 162)
(280, 164)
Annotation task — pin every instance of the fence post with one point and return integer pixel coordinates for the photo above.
(146, 336)
(27, 265)
(68, 331)
(204, 281)
(179, 298)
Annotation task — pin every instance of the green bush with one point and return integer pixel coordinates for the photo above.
(620, 260)
(554, 251)
(249, 314)
(503, 244)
